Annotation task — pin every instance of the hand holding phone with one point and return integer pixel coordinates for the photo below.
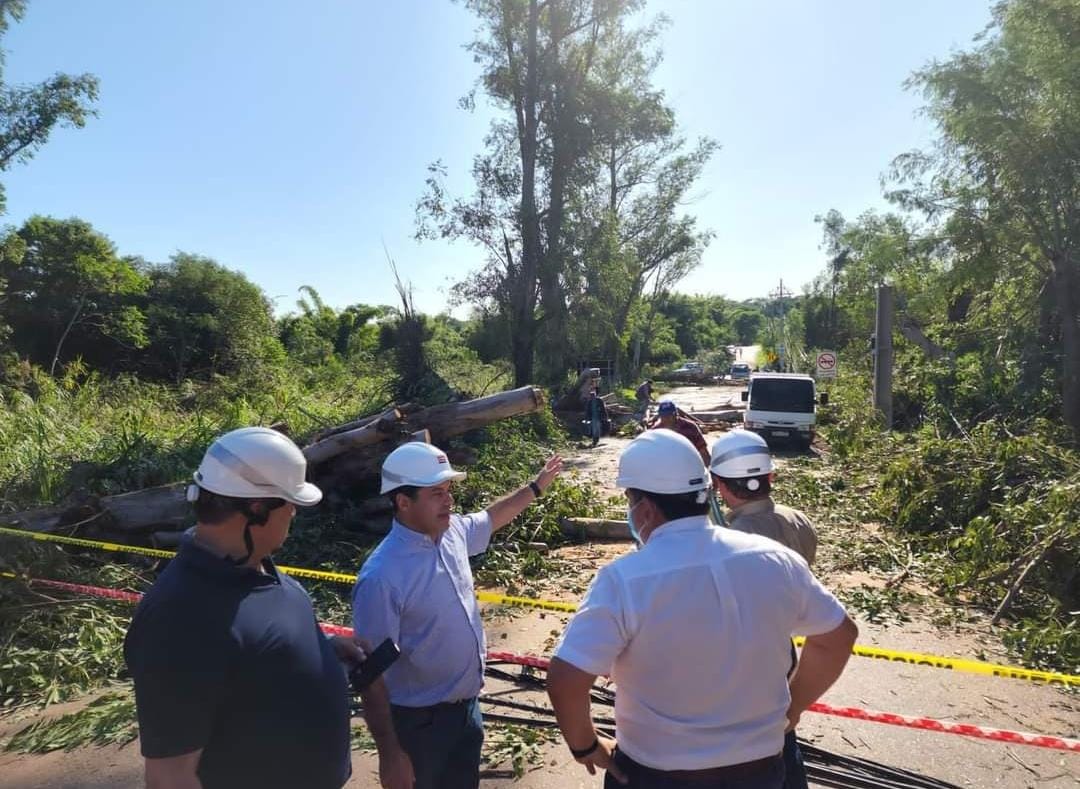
(361, 677)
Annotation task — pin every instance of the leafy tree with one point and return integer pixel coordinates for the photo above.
(1004, 174)
(71, 293)
(318, 333)
(204, 319)
(542, 63)
(29, 113)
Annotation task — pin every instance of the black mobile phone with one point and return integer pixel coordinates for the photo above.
(377, 662)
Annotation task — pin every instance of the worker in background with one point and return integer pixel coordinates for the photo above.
(693, 629)
(742, 473)
(596, 415)
(668, 417)
(417, 588)
(235, 684)
(643, 395)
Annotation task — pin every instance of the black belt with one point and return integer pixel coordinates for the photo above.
(725, 773)
(442, 705)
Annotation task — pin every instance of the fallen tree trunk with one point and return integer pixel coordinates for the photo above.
(382, 427)
(731, 415)
(342, 464)
(454, 419)
(52, 519)
(347, 426)
(596, 529)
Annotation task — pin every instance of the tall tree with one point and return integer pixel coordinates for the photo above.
(71, 289)
(1008, 112)
(29, 113)
(537, 58)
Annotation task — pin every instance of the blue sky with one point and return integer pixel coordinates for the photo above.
(290, 140)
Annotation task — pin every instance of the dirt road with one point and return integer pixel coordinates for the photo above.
(871, 684)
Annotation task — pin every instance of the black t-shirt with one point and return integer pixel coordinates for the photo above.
(232, 661)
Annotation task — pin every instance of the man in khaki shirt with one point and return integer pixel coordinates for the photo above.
(742, 473)
(763, 516)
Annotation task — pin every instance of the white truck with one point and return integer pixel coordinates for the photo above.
(781, 407)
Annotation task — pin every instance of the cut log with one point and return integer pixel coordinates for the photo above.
(454, 419)
(338, 463)
(731, 415)
(387, 424)
(161, 508)
(347, 426)
(52, 519)
(596, 529)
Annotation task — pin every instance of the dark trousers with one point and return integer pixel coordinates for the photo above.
(443, 741)
(794, 770)
(594, 430)
(770, 776)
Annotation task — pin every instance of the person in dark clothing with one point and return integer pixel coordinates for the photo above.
(596, 415)
(235, 684)
(643, 395)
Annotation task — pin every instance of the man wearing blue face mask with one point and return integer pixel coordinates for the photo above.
(693, 628)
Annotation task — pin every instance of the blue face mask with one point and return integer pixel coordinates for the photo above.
(630, 523)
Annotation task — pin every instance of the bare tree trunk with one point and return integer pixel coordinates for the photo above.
(523, 340)
(67, 331)
(1067, 290)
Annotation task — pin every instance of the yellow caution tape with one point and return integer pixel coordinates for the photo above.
(105, 546)
(296, 572)
(546, 605)
(896, 656)
(965, 666)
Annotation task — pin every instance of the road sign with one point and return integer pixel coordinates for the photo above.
(826, 364)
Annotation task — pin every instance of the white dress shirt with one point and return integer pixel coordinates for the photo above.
(694, 628)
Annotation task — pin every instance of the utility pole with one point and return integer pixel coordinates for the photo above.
(883, 354)
(779, 294)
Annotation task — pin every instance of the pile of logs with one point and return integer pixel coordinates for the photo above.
(343, 460)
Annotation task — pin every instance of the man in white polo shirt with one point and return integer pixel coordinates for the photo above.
(417, 589)
(693, 628)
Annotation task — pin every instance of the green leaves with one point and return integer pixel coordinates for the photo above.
(29, 113)
(107, 720)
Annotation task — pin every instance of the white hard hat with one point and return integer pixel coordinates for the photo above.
(256, 463)
(418, 464)
(662, 461)
(739, 454)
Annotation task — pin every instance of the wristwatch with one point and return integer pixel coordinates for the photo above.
(581, 754)
(535, 488)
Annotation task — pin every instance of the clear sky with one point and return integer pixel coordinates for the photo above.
(290, 140)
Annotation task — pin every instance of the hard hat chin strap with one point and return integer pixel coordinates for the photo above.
(253, 519)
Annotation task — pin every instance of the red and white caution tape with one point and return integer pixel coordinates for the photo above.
(947, 727)
(891, 718)
(856, 713)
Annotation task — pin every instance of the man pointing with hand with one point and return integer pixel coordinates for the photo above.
(417, 589)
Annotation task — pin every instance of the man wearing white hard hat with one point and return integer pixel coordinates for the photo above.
(743, 472)
(693, 629)
(235, 685)
(417, 589)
